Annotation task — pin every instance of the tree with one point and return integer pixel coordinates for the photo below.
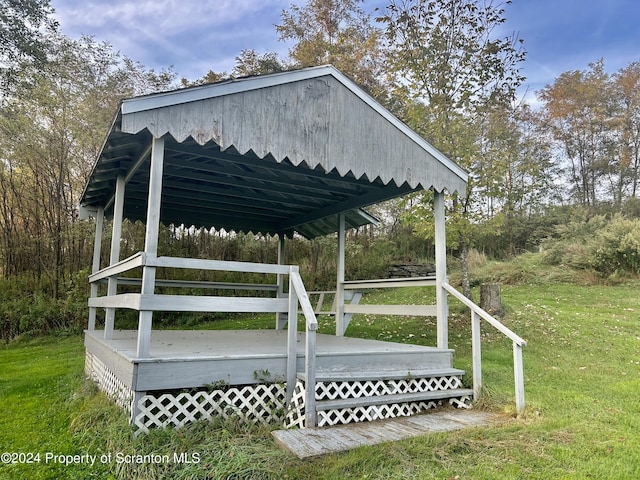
(580, 113)
(627, 93)
(23, 26)
(250, 62)
(451, 67)
(51, 130)
(340, 33)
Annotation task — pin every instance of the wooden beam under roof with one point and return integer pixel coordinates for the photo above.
(233, 168)
(266, 185)
(267, 163)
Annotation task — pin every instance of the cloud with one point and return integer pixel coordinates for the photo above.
(167, 17)
(193, 35)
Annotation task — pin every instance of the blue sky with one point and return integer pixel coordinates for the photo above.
(198, 35)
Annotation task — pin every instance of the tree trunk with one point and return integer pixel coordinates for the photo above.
(491, 300)
(464, 264)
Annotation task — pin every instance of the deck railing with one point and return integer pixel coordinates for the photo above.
(190, 303)
(297, 293)
(353, 292)
(477, 314)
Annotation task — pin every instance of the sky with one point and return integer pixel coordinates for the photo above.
(195, 36)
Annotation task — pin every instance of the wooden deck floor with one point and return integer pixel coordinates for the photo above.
(201, 344)
(312, 442)
(192, 358)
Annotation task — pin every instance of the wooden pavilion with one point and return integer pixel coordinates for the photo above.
(294, 152)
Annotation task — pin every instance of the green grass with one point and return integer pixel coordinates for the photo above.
(582, 382)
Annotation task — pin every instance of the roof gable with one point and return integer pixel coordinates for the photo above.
(315, 115)
(275, 153)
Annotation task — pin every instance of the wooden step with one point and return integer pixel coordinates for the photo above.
(391, 399)
(344, 375)
(383, 360)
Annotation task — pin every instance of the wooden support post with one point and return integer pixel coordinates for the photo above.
(339, 300)
(310, 414)
(441, 270)
(518, 373)
(151, 242)
(476, 354)
(135, 408)
(116, 235)
(292, 341)
(97, 244)
(281, 318)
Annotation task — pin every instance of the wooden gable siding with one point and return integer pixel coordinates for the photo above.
(317, 120)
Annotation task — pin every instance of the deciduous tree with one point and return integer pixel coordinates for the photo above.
(451, 64)
(340, 33)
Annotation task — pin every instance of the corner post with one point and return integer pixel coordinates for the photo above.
(116, 235)
(151, 242)
(339, 300)
(441, 270)
(476, 354)
(518, 372)
(97, 244)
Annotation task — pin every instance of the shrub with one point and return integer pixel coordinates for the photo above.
(616, 248)
(607, 246)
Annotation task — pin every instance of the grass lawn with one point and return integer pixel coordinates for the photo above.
(582, 384)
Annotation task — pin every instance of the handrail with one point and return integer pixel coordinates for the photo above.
(476, 314)
(134, 261)
(224, 265)
(140, 259)
(203, 284)
(390, 283)
(495, 323)
(297, 293)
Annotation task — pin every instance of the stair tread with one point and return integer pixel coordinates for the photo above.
(394, 398)
(395, 374)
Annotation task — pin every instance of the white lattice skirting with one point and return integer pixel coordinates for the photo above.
(107, 381)
(374, 388)
(262, 403)
(265, 403)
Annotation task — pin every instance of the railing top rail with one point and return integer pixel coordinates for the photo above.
(141, 259)
(134, 261)
(305, 304)
(223, 265)
(486, 316)
(390, 283)
(199, 284)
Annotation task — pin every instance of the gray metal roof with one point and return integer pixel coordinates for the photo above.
(272, 154)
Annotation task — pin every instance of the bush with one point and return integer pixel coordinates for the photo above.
(607, 246)
(616, 248)
(25, 309)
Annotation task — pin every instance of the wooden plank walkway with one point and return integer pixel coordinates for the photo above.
(312, 442)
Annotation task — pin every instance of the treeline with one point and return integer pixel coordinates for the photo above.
(537, 174)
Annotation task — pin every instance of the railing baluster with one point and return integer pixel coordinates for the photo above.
(476, 354)
(518, 373)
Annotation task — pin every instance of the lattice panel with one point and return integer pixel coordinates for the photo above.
(107, 381)
(381, 412)
(254, 403)
(372, 388)
(295, 414)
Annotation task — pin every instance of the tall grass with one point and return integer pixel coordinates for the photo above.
(582, 378)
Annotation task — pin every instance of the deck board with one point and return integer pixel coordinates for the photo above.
(191, 358)
(201, 344)
(313, 442)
